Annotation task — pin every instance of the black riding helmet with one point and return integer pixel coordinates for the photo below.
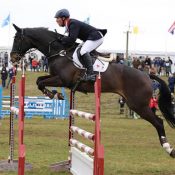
(62, 13)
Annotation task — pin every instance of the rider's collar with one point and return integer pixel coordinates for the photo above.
(67, 21)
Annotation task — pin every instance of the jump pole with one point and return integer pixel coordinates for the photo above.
(21, 146)
(20, 112)
(11, 164)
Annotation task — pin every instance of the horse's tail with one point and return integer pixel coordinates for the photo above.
(165, 101)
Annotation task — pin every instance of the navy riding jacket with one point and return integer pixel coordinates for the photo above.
(82, 31)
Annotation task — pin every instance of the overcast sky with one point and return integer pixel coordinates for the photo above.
(153, 18)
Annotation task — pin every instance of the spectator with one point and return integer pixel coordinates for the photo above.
(4, 75)
(147, 62)
(38, 66)
(25, 64)
(168, 64)
(6, 59)
(30, 62)
(153, 104)
(161, 67)
(155, 86)
(34, 64)
(46, 64)
(136, 62)
(11, 73)
(171, 82)
(121, 102)
(42, 62)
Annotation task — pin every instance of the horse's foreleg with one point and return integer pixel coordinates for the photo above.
(53, 94)
(41, 78)
(55, 81)
(157, 122)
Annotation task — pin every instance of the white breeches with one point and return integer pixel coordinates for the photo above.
(88, 46)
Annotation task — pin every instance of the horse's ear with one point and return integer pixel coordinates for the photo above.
(17, 28)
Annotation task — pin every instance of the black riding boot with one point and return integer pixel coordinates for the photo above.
(87, 62)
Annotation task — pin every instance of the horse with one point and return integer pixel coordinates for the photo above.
(133, 85)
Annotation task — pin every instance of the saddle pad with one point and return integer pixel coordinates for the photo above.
(99, 65)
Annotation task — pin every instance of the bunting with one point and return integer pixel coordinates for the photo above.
(87, 20)
(172, 28)
(135, 30)
(6, 21)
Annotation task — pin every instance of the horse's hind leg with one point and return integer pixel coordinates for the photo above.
(157, 122)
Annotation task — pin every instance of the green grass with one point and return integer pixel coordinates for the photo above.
(131, 146)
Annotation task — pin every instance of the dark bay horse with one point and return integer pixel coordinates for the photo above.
(135, 86)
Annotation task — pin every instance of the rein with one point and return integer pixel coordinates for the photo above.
(61, 53)
(64, 53)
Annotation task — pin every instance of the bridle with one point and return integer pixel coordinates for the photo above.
(18, 52)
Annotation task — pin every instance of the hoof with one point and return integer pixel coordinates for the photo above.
(172, 154)
(48, 93)
(57, 95)
(51, 96)
(60, 96)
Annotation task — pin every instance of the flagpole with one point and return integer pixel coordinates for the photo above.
(127, 42)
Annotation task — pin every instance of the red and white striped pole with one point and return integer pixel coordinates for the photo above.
(21, 116)
(99, 148)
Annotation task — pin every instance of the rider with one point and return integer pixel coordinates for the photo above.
(91, 36)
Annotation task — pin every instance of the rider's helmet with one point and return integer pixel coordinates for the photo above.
(62, 13)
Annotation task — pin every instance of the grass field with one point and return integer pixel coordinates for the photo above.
(131, 146)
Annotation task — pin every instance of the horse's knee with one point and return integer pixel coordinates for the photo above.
(40, 86)
(38, 80)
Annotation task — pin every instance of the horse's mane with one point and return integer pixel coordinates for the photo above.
(43, 32)
(38, 31)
